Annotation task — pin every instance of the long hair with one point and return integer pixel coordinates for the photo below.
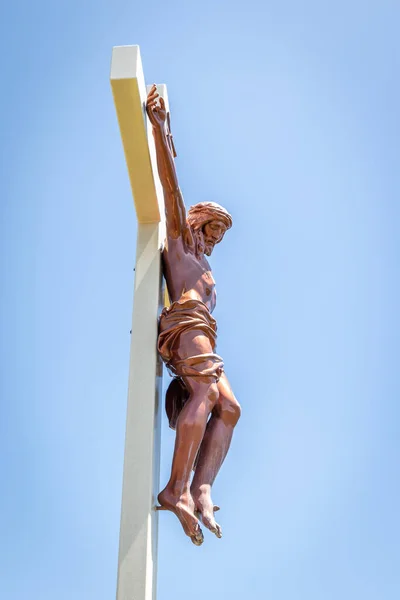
(204, 212)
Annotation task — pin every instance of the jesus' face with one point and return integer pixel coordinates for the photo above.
(213, 233)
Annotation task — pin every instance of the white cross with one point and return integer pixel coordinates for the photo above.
(137, 561)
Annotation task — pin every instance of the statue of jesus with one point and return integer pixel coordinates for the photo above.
(200, 402)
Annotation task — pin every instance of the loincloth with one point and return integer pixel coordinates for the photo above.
(178, 318)
(189, 315)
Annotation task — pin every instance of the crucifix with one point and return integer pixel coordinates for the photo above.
(200, 403)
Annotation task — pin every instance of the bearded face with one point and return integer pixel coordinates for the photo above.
(213, 232)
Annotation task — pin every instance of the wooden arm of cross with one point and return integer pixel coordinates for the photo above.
(130, 92)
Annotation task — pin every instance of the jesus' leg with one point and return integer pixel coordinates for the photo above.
(213, 450)
(190, 429)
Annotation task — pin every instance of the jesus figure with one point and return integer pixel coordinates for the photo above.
(200, 403)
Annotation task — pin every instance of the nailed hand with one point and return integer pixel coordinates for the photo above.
(155, 108)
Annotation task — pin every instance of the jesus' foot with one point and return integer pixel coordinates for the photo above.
(183, 507)
(206, 509)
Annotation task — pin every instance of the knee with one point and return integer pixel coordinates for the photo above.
(229, 410)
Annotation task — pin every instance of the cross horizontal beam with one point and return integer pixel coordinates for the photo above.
(129, 92)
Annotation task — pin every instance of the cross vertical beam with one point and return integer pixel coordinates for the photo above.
(137, 560)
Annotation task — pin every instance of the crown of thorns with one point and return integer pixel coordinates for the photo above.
(204, 212)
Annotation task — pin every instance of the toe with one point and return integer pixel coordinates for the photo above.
(198, 537)
(210, 523)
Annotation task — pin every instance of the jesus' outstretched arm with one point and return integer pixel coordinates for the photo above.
(175, 211)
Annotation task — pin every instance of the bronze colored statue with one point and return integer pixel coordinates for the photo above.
(200, 403)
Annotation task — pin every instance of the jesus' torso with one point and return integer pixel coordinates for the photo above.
(187, 277)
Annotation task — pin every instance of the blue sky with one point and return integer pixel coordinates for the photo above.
(287, 114)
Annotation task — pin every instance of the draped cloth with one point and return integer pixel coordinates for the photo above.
(182, 316)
